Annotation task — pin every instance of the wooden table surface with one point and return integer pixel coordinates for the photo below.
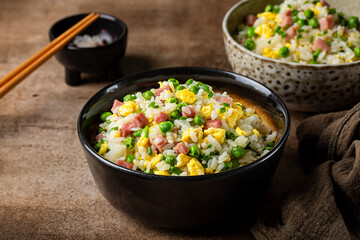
(46, 189)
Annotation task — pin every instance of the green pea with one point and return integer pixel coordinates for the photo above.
(316, 54)
(195, 89)
(175, 114)
(138, 133)
(170, 160)
(205, 157)
(190, 81)
(148, 94)
(179, 88)
(270, 144)
(295, 19)
(174, 81)
(166, 126)
(129, 142)
(130, 159)
(276, 9)
(175, 170)
(357, 52)
(294, 13)
(210, 94)
(129, 98)
(238, 151)
(180, 105)
(344, 22)
(227, 166)
(250, 44)
(194, 151)
(215, 152)
(353, 22)
(149, 150)
(302, 22)
(97, 146)
(235, 163)
(309, 14)
(171, 100)
(284, 52)
(198, 120)
(230, 135)
(104, 115)
(331, 11)
(150, 171)
(269, 8)
(314, 23)
(251, 32)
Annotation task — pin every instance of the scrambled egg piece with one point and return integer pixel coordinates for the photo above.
(208, 170)
(266, 30)
(195, 168)
(186, 137)
(182, 160)
(128, 108)
(256, 132)
(153, 160)
(163, 173)
(116, 134)
(206, 111)
(240, 132)
(143, 142)
(217, 133)
(267, 52)
(232, 119)
(236, 115)
(267, 15)
(161, 84)
(103, 148)
(315, 9)
(186, 96)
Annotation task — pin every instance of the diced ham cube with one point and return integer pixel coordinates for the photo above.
(139, 121)
(291, 32)
(188, 112)
(327, 22)
(158, 91)
(160, 142)
(181, 148)
(250, 19)
(213, 123)
(320, 43)
(324, 3)
(99, 136)
(161, 117)
(286, 21)
(225, 99)
(115, 105)
(125, 129)
(125, 164)
(286, 18)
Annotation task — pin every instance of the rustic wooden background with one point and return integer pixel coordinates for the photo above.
(46, 189)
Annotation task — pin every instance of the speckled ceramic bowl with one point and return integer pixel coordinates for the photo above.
(304, 87)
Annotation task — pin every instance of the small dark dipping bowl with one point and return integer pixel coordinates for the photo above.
(190, 201)
(96, 59)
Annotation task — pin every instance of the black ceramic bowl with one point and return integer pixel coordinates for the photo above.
(91, 60)
(191, 201)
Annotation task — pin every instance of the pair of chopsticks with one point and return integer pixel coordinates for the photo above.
(14, 77)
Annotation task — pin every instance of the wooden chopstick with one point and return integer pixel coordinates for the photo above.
(14, 77)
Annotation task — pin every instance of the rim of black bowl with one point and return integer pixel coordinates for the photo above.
(291, 64)
(129, 80)
(101, 15)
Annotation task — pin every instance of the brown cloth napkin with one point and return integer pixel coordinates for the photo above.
(327, 204)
